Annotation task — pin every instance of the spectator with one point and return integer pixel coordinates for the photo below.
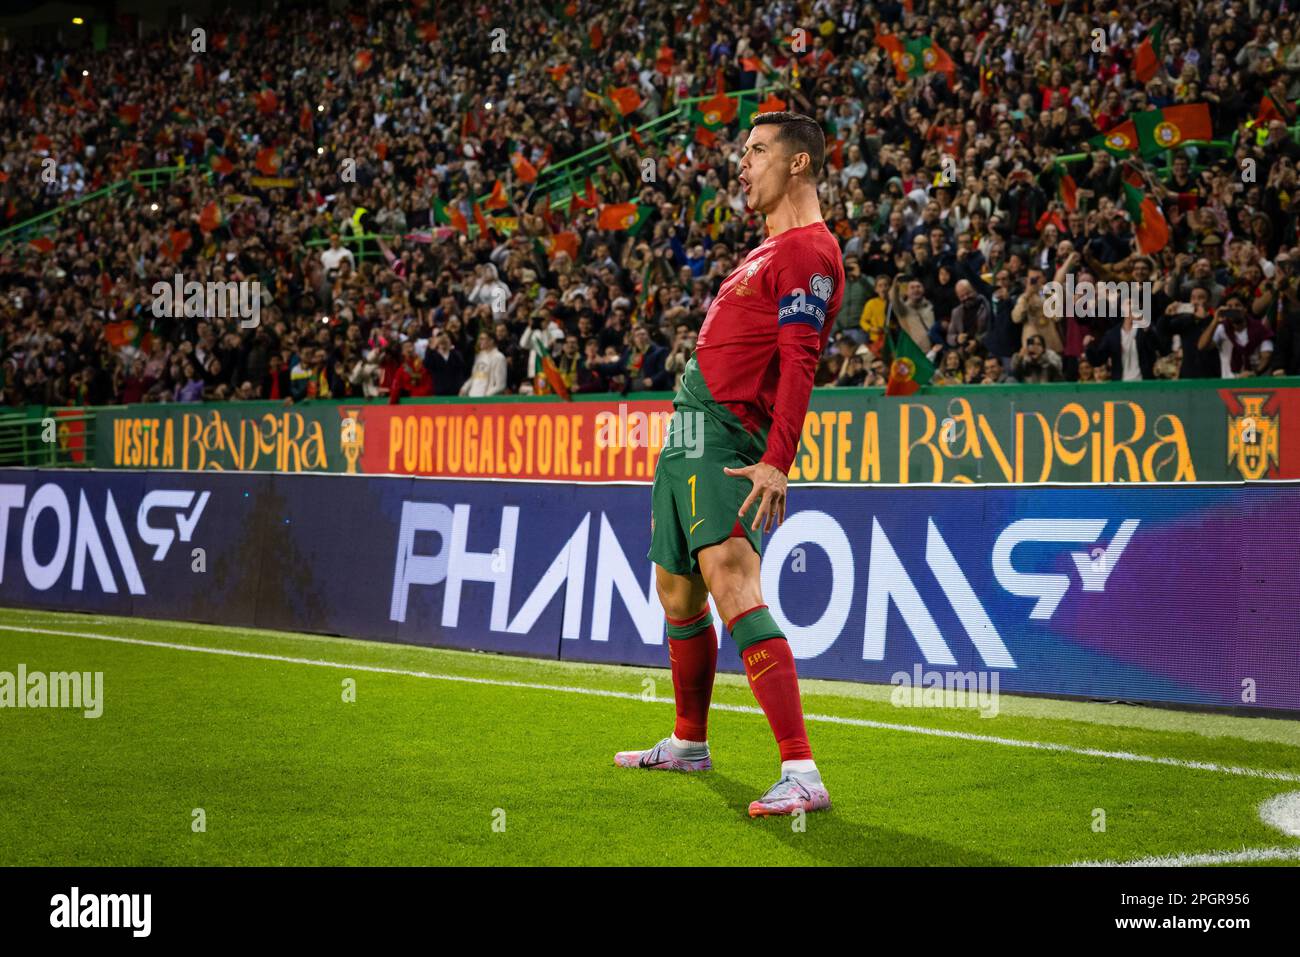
(488, 376)
(1244, 343)
(445, 365)
(1036, 363)
(413, 378)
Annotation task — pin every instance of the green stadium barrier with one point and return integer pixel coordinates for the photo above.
(1159, 431)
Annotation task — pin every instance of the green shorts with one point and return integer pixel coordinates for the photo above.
(694, 503)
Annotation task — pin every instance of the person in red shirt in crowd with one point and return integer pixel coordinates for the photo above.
(276, 383)
(412, 377)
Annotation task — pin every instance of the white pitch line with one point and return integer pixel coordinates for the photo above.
(1281, 811)
(1244, 856)
(735, 708)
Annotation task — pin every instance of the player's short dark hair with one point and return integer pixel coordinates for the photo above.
(801, 133)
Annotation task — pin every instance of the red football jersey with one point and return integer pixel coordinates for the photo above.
(766, 330)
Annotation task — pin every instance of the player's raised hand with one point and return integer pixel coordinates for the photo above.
(769, 483)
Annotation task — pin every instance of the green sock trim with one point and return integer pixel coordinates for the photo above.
(690, 630)
(753, 627)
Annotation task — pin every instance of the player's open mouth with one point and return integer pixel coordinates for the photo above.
(744, 183)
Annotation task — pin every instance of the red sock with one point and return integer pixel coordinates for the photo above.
(694, 661)
(770, 666)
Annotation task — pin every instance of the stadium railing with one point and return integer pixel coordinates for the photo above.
(46, 437)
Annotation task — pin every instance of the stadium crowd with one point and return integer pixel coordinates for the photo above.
(300, 130)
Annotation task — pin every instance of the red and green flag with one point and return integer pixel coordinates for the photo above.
(1146, 60)
(1270, 108)
(707, 195)
(910, 369)
(266, 102)
(268, 161)
(625, 99)
(1119, 140)
(715, 112)
(445, 215)
(565, 242)
(1150, 227)
(128, 114)
(589, 199)
(623, 217)
(498, 199)
(211, 218)
(1069, 192)
(893, 47)
(525, 171)
(917, 57)
(1159, 130)
(178, 240)
(479, 219)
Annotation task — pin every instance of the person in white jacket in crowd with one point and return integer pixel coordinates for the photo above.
(488, 377)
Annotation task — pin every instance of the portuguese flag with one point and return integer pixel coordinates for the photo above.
(445, 215)
(268, 161)
(715, 112)
(1118, 141)
(921, 56)
(128, 115)
(910, 369)
(625, 99)
(498, 199)
(1270, 108)
(563, 242)
(553, 378)
(665, 60)
(1069, 192)
(525, 171)
(623, 217)
(893, 46)
(1159, 130)
(1146, 61)
(210, 219)
(587, 200)
(1149, 224)
(707, 195)
(266, 102)
(479, 219)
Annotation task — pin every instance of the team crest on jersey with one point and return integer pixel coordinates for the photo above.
(753, 267)
(743, 288)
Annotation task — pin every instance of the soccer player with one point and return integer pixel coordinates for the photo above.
(720, 482)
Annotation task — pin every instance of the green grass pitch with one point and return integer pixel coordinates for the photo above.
(470, 759)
